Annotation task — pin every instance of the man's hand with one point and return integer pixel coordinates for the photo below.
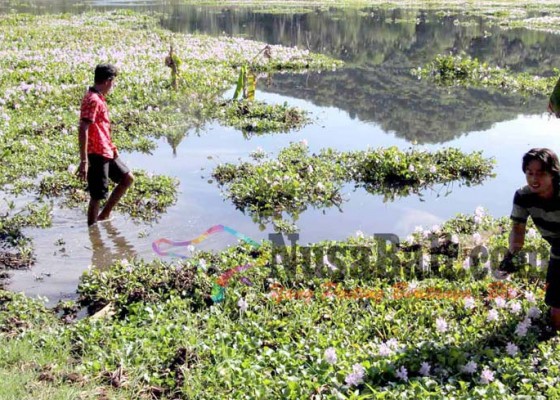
(83, 170)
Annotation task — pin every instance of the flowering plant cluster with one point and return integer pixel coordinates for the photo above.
(445, 335)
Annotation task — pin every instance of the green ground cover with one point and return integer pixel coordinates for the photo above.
(428, 324)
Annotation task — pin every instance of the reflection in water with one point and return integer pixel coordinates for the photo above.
(414, 110)
(380, 48)
(102, 253)
(371, 36)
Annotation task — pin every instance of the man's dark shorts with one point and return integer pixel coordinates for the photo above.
(102, 169)
(552, 296)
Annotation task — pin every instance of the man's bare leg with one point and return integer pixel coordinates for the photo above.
(116, 195)
(93, 211)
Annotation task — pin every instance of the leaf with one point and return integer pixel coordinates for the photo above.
(240, 82)
(555, 99)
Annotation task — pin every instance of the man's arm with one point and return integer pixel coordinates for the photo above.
(516, 237)
(83, 140)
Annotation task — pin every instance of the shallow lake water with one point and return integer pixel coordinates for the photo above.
(374, 101)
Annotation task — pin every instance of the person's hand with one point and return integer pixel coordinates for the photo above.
(83, 170)
(510, 263)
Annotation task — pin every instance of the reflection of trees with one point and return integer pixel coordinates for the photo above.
(374, 36)
(412, 109)
(380, 47)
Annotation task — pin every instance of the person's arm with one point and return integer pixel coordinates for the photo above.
(516, 237)
(83, 140)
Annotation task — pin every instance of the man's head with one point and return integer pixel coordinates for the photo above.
(104, 76)
(542, 171)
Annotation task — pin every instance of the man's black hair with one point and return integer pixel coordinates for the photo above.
(104, 72)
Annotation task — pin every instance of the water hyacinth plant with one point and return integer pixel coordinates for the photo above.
(463, 70)
(296, 179)
(436, 335)
(47, 64)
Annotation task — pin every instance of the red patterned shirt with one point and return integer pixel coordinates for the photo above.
(94, 110)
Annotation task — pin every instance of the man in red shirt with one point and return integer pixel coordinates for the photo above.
(99, 158)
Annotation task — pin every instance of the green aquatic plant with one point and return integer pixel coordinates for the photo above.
(449, 70)
(247, 80)
(256, 117)
(423, 311)
(150, 195)
(46, 64)
(296, 179)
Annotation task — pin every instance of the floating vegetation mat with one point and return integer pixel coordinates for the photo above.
(296, 179)
(463, 70)
(432, 325)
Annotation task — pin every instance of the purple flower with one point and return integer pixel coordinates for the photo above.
(385, 350)
(469, 303)
(515, 307)
(500, 302)
(492, 315)
(534, 312)
(470, 367)
(330, 355)
(441, 325)
(530, 297)
(425, 369)
(356, 376)
(512, 349)
(402, 374)
(486, 376)
(242, 304)
(522, 327)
